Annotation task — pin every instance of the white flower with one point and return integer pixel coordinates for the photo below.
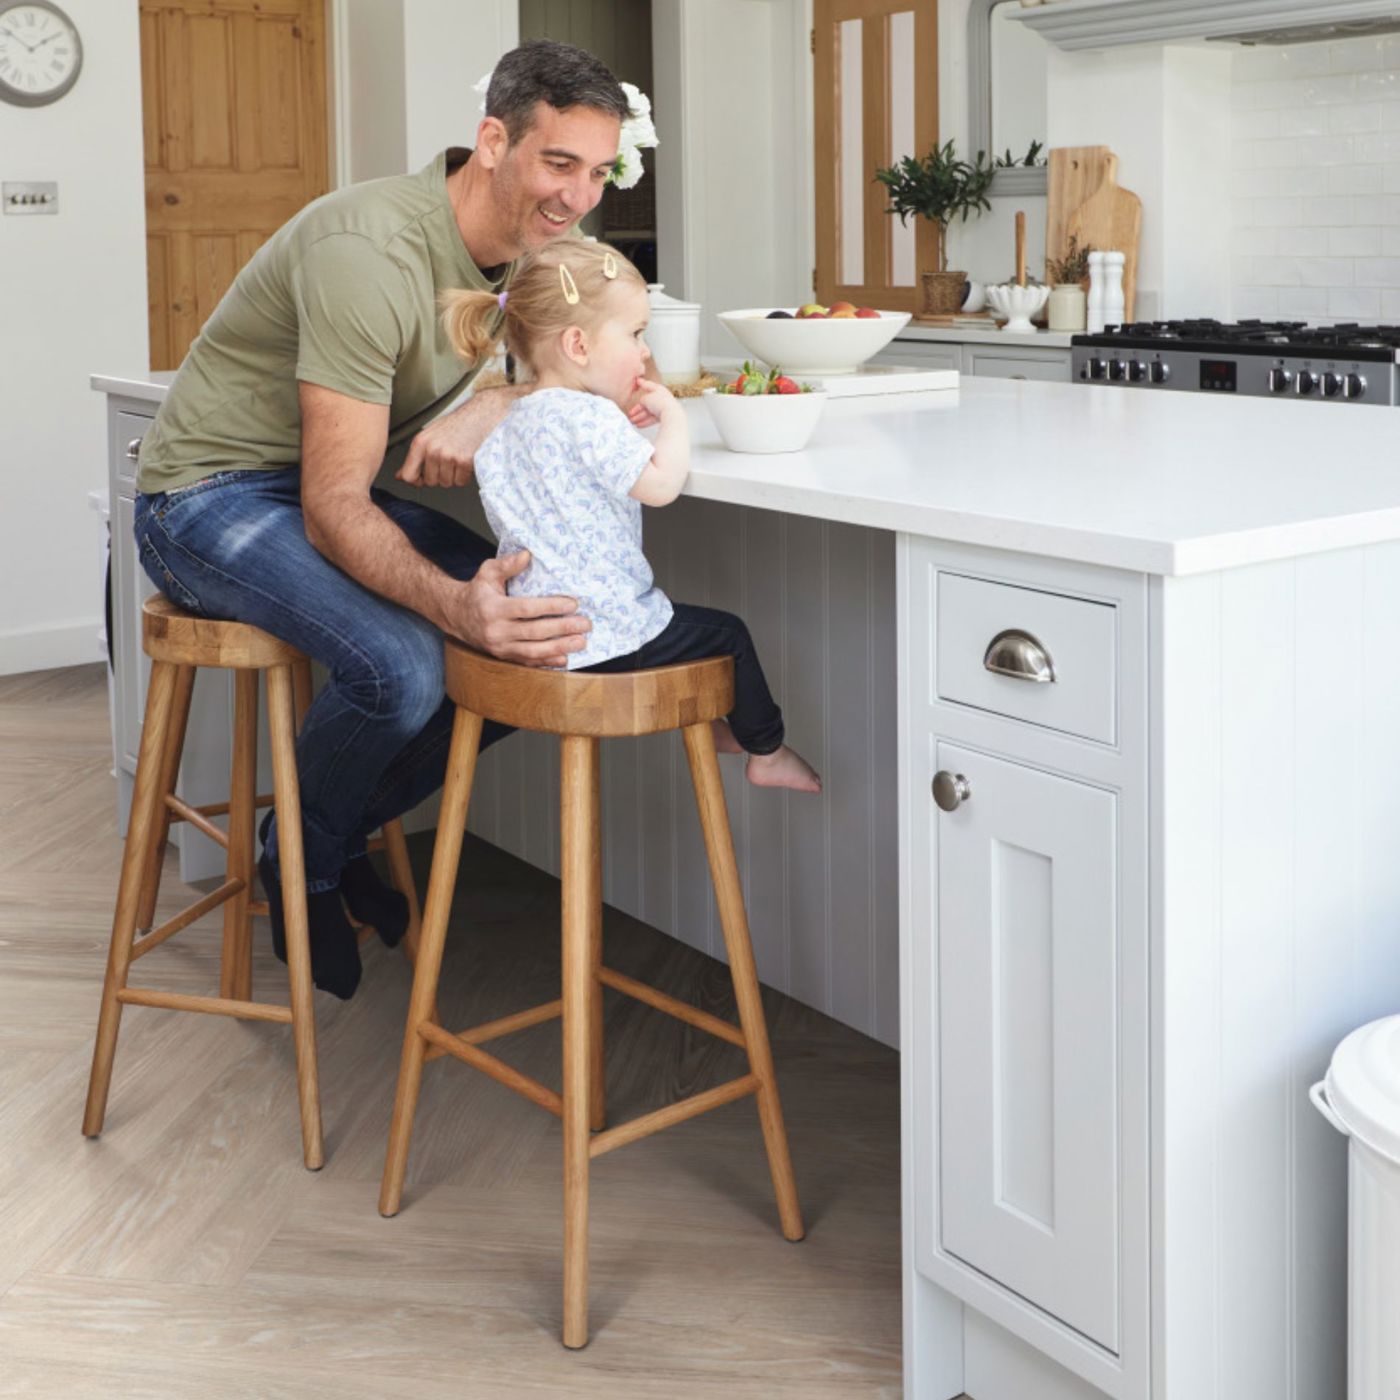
(638, 131)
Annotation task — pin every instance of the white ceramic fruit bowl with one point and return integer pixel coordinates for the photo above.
(811, 346)
(1016, 304)
(765, 422)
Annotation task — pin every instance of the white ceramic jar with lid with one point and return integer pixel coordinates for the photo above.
(674, 336)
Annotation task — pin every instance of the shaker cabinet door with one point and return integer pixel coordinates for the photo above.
(1028, 1038)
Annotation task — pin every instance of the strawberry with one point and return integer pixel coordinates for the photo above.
(783, 385)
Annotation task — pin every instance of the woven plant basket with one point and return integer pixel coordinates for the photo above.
(941, 293)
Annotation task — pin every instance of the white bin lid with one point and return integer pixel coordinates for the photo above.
(1363, 1085)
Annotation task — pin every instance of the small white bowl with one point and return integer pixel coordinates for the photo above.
(765, 422)
(812, 346)
(1016, 304)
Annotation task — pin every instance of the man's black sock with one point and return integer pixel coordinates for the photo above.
(335, 948)
(371, 901)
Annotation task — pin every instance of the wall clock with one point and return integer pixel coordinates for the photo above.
(40, 52)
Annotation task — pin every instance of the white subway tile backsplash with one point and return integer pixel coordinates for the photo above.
(1315, 156)
(1351, 243)
(1354, 303)
(1302, 303)
(1302, 242)
(1356, 179)
(1352, 117)
(1296, 121)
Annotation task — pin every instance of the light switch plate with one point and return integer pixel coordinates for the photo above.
(29, 196)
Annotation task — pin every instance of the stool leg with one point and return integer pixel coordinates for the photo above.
(401, 873)
(447, 851)
(287, 797)
(724, 870)
(581, 917)
(301, 689)
(169, 770)
(597, 1054)
(143, 828)
(235, 975)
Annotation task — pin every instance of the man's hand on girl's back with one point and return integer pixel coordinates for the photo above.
(528, 631)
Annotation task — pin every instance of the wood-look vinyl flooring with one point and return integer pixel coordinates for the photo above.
(187, 1252)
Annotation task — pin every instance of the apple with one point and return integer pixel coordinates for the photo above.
(811, 309)
(843, 314)
(842, 308)
(866, 314)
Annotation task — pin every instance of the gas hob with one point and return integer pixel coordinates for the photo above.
(1343, 364)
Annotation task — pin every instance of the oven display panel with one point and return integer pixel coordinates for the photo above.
(1219, 376)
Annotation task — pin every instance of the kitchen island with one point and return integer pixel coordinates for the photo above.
(1137, 903)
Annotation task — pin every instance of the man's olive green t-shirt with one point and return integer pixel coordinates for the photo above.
(344, 295)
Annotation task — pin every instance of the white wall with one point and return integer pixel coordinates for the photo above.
(73, 293)
(367, 91)
(1316, 162)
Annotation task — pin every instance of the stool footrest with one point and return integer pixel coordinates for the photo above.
(673, 1113)
(505, 1025)
(681, 1010)
(220, 809)
(182, 811)
(503, 1073)
(186, 917)
(213, 1006)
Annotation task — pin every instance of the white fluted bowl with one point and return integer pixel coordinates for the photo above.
(1016, 304)
(765, 422)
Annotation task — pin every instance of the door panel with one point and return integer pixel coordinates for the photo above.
(1028, 1037)
(234, 115)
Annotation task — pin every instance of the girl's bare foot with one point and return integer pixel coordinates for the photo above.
(783, 769)
(725, 742)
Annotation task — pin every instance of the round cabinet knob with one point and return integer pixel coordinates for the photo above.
(1355, 387)
(1280, 381)
(950, 790)
(133, 449)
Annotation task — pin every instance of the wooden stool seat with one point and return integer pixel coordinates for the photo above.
(582, 708)
(178, 643)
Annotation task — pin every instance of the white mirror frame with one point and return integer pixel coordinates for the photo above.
(1018, 180)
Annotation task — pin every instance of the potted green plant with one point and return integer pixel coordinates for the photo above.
(940, 188)
(1067, 306)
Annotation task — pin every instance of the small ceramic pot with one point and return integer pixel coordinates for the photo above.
(1017, 304)
(1066, 307)
(975, 297)
(674, 336)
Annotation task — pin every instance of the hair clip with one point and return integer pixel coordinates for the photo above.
(501, 300)
(609, 265)
(567, 284)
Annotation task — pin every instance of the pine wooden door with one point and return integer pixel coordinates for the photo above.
(234, 106)
(875, 99)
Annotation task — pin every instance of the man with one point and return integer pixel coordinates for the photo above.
(256, 477)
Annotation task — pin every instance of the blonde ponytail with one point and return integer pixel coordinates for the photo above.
(470, 319)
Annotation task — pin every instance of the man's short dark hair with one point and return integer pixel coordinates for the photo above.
(545, 71)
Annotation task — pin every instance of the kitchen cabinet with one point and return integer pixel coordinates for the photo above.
(983, 356)
(1025, 915)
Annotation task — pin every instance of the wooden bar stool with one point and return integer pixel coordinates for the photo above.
(582, 708)
(178, 643)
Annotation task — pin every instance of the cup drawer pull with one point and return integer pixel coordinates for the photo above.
(1019, 655)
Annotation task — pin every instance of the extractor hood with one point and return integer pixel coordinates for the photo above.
(1100, 24)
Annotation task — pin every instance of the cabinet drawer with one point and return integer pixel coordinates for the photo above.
(125, 431)
(1026, 364)
(1077, 636)
(923, 354)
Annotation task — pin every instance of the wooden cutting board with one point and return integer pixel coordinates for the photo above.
(1111, 219)
(1075, 173)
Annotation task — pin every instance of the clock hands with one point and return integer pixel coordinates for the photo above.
(28, 48)
(49, 40)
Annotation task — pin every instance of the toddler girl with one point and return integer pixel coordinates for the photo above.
(565, 474)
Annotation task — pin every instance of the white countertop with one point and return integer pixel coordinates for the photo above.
(1160, 483)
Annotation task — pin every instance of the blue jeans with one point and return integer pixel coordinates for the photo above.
(374, 742)
(695, 633)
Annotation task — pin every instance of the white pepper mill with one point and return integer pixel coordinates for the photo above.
(1094, 319)
(1114, 307)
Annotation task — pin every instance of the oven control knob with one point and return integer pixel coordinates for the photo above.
(1280, 380)
(1117, 370)
(1097, 369)
(1160, 372)
(1137, 371)
(1355, 386)
(1307, 382)
(1331, 384)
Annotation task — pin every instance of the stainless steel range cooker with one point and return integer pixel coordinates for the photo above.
(1348, 364)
